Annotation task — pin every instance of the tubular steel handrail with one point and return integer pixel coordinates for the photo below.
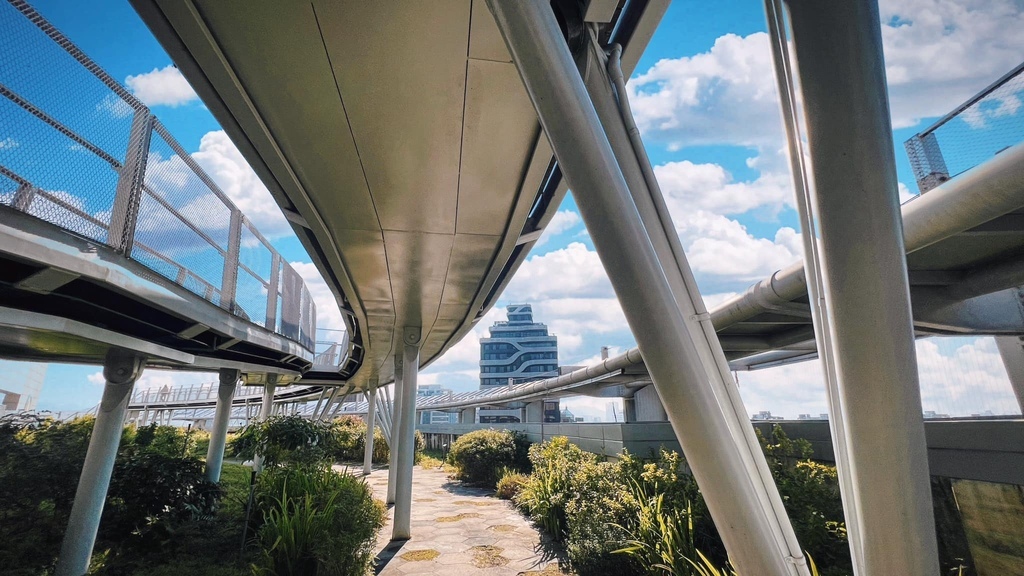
(148, 200)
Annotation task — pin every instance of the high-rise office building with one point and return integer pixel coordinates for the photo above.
(21, 385)
(517, 350)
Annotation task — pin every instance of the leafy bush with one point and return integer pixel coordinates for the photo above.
(653, 514)
(316, 521)
(154, 492)
(480, 456)
(510, 484)
(285, 438)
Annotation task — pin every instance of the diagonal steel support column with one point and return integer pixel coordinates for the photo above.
(678, 345)
(221, 417)
(406, 444)
(120, 369)
(1011, 349)
(371, 424)
(838, 47)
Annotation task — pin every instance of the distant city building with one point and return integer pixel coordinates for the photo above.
(810, 417)
(931, 415)
(765, 415)
(517, 350)
(21, 385)
(435, 416)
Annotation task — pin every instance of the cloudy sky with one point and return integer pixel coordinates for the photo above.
(705, 100)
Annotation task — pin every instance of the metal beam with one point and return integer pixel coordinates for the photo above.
(838, 49)
(713, 440)
(221, 418)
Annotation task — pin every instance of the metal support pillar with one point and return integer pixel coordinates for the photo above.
(396, 430)
(266, 410)
(221, 418)
(120, 369)
(468, 416)
(812, 272)
(1011, 349)
(705, 414)
(406, 445)
(534, 411)
(371, 424)
(838, 47)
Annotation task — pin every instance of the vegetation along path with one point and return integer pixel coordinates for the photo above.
(461, 530)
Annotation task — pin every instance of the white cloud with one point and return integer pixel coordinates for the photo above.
(229, 169)
(710, 187)
(725, 95)
(9, 143)
(113, 105)
(97, 378)
(328, 314)
(958, 376)
(562, 221)
(161, 87)
(905, 194)
(938, 53)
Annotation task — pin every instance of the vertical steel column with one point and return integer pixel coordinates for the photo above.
(812, 272)
(838, 47)
(407, 435)
(397, 414)
(266, 410)
(1011, 349)
(221, 418)
(722, 460)
(120, 369)
(385, 426)
(371, 424)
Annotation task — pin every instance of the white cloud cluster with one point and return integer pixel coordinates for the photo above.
(958, 376)
(161, 87)
(9, 143)
(562, 221)
(938, 53)
(328, 314)
(220, 158)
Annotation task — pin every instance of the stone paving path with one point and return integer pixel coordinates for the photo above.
(461, 531)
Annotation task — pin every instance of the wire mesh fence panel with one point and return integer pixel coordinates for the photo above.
(180, 188)
(255, 254)
(73, 147)
(251, 298)
(162, 235)
(976, 131)
(62, 82)
(34, 154)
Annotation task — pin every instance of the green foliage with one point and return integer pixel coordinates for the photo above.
(480, 456)
(555, 465)
(652, 512)
(810, 493)
(510, 483)
(316, 521)
(285, 438)
(349, 441)
(155, 494)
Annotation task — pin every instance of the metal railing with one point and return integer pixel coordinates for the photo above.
(983, 126)
(80, 151)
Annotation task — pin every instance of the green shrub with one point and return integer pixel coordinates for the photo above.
(481, 455)
(285, 438)
(510, 483)
(316, 521)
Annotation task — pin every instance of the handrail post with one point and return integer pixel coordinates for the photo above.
(229, 279)
(125, 211)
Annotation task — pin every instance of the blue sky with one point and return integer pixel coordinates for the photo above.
(704, 97)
